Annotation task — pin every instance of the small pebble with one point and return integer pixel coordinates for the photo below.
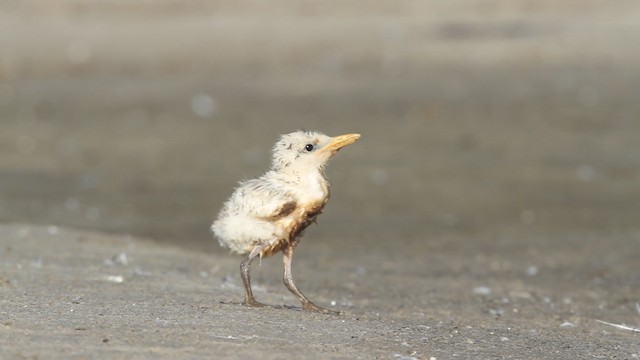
(404, 357)
(115, 278)
(482, 290)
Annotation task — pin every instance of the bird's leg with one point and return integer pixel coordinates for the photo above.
(245, 272)
(288, 281)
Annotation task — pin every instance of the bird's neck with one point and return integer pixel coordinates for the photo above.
(311, 183)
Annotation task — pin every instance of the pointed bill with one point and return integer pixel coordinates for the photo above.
(340, 141)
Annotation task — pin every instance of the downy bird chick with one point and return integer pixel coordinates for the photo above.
(269, 214)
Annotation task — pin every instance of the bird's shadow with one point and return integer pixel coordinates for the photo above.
(272, 307)
(266, 306)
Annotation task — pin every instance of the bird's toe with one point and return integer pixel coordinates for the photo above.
(309, 306)
(253, 303)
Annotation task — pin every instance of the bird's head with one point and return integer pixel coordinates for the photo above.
(307, 150)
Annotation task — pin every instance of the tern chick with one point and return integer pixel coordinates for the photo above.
(269, 214)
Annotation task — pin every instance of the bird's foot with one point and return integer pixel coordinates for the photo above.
(309, 306)
(253, 303)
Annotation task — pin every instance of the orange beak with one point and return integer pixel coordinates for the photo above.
(339, 142)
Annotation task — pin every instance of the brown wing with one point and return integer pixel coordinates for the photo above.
(286, 209)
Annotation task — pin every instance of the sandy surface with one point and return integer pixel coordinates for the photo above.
(70, 294)
(490, 209)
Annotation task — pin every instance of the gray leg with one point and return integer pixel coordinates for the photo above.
(245, 272)
(288, 281)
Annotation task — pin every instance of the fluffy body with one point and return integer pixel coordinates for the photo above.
(272, 210)
(269, 214)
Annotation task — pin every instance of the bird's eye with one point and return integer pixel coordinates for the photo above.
(309, 147)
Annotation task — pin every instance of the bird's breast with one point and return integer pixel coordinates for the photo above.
(304, 215)
(311, 195)
(290, 228)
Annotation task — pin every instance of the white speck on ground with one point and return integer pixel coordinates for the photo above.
(482, 290)
(118, 279)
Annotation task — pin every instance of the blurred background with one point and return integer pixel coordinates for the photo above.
(477, 116)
